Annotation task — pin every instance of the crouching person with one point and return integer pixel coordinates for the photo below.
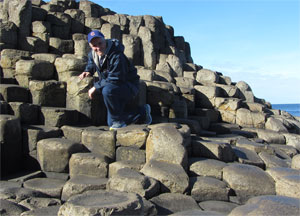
(118, 81)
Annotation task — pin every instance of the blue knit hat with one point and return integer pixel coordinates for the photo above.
(94, 34)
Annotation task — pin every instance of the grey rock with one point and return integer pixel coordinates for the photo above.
(129, 180)
(248, 181)
(100, 142)
(14, 93)
(51, 187)
(288, 186)
(273, 160)
(269, 205)
(196, 212)
(79, 184)
(115, 166)
(130, 154)
(11, 144)
(172, 177)
(168, 203)
(132, 136)
(218, 206)
(165, 143)
(58, 116)
(296, 162)
(89, 164)
(50, 210)
(208, 188)
(206, 167)
(206, 76)
(18, 194)
(103, 202)
(28, 113)
(246, 156)
(54, 153)
(39, 202)
(10, 208)
(213, 150)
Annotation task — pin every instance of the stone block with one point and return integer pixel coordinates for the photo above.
(111, 31)
(273, 161)
(59, 46)
(100, 142)
(206, 76)
(296, 162)
(81, 184)
(212, 114)
(88, 203)
(246, 118)
(45, 57)
(245, 91)
(51, 187)
(254, 146)
(34, 133)
(89, 164)
(227, 104)
(11, 144)
(172, 177)
(248, 181)
(172, 203)
(130, 154)
(77, 21)
(204, 94)
(132, 45)
(269, 205)
(115, 166)
(77, 98)
(8, 34)
(206, 167)
(178, 109)
(38, 202)
(221, 207)
(28, 113)
(57, 117)
(165, 143)
(38, 13)
(67, 67)
(246, 156)
(149, 60)
(271, 136)
(128, 180)
(146, 74)
(14, 93)
(54, 154)
(48, 93)
(37, 44)
(81, 47)
(41, 27)
(208, 188)
(34, 70)
(213, 150)
(11, 208)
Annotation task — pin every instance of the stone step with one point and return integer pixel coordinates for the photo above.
(14, 93)
(79, 184)
(58, 116)
(54, 153)
(128, 180)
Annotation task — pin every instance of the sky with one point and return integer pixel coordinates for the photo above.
(256, 41)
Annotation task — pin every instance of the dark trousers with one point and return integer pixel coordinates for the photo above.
(115, 98)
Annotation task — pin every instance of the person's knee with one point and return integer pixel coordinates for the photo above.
(109, 90)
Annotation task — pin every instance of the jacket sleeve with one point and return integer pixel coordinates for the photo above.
(90, 67)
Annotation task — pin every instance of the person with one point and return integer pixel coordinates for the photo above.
(118, 81)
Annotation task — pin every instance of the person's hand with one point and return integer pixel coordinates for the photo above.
(91, 92)
(84, 74)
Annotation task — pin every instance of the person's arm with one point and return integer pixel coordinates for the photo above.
(89, 68)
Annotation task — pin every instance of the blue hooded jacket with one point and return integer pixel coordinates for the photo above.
(115, 67)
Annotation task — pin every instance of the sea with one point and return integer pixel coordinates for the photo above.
(293, 109)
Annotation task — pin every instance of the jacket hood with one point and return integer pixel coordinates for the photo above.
(113, 45)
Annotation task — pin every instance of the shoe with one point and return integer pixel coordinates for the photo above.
(148, 114)
(116, 126)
